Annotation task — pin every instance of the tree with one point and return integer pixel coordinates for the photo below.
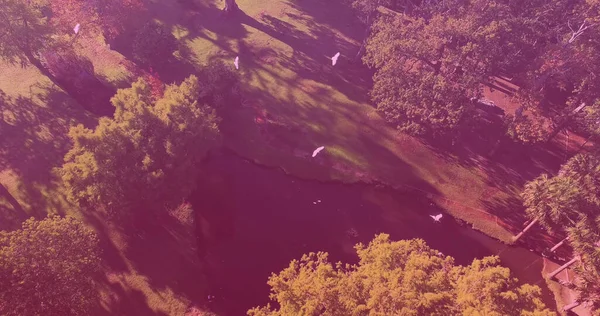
(147, 155)
(106, 17)
(219, 85)
(431, 62)
(563, 200)
(48, 267)
(24, 31)
(399, 278)
(154, 44)
(566, 61)
(588, 122)
(570, 201)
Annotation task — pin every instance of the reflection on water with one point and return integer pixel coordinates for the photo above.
(253, 221)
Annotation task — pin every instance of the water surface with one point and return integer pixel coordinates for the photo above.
(254, 220)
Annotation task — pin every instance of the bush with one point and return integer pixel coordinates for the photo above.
(154, 44)
(219, 85)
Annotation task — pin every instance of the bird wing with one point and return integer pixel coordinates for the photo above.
(236, 62)
(317, 150)
(76, 28)
(434, 217)
(438, 217)
(336, 55)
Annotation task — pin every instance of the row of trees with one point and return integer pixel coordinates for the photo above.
(399, 278)
(432, 58)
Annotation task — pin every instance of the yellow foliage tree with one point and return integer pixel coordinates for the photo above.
(399, 278)
(47, 268)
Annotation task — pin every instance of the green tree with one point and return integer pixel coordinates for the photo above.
(147, 155)
(47, 268)
(106, 17)
(154, 44)
(566, 59)
(563, 200)
(399, 278)
(219, 85)
(24, 31)
(584, 237)
(431, 62)
(570, 202)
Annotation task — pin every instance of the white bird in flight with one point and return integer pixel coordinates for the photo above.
(317, 151)
(237, 62)
(436, 217)
(335, 58)
(76, 28)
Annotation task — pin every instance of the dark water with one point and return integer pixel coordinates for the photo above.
(254, 220)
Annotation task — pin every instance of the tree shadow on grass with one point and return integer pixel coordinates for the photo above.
(312, 52)
(311, 58)
(154, 252)
(34, 141)
(125, 301)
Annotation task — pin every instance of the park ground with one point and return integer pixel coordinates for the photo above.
(293, 102)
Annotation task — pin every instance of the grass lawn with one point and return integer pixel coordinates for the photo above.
(294, 101)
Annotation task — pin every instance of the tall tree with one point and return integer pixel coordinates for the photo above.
(399, 278)
(24, 30)
(145, 156)
(570, 201)
(48, 267)
(563, 200)
(431, 63)
(107, 17)
(567, 60)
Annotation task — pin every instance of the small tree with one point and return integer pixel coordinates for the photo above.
(48, 267)
(399, 278)
(219, 85)
(154, 44)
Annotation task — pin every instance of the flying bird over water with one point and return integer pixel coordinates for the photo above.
(76, 28)
(436, 217)
(237, 62)
(335, 58)
(317, 151)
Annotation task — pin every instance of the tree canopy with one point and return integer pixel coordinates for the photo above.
(431, 62)
(47, 268)
(107, 17)
(147, 154)
(570, 201)
(399, 278)
(561, 201)
(24, 30)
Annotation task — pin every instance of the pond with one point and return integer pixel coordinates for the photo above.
(254, 220)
